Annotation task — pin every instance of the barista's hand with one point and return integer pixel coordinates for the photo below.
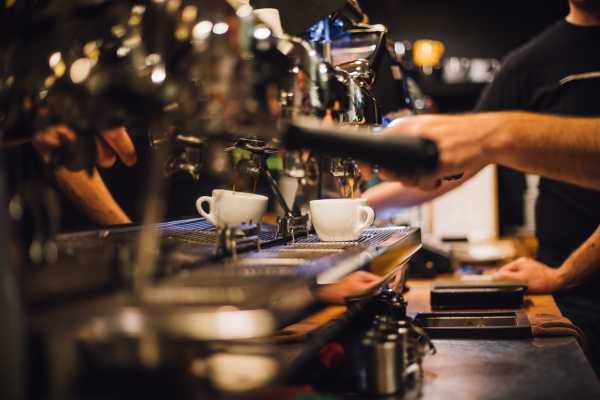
(466, 143)
(112, 143)
(539, 277)
(52, 138)
(353, 284)
(109, 144)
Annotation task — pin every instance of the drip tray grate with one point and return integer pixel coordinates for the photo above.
(309, 257)
(373, 236)
(200, 231)
(195, 231)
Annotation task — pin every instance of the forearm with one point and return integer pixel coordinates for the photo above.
(397, 195)
(91, 195)
(562, 148)
(582, 264)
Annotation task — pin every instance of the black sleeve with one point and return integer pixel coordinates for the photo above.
(506, 92)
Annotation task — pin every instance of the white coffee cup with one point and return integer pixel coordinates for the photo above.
(340, 220)
(228, 208)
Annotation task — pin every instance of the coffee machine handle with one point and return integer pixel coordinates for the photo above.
(209, 216)
(404, 155)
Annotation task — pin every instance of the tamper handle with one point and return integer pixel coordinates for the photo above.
(405, 155)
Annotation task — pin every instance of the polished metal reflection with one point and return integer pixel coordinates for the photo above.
(238, 373)
(171, 317)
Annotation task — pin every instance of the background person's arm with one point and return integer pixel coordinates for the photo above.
(583, 264)
(90, 194)
(562, 148)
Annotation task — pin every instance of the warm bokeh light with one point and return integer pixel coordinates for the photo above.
(202, 30)
(428, 53)
(220, 28)
(80, 70)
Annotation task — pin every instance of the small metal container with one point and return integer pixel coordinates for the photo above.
(385, 354)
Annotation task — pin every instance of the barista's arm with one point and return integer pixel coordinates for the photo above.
(582, 265)
(110, 144)
(91, 195)
(562, 148)
(400, 195)
(89, 192)
(566, 149)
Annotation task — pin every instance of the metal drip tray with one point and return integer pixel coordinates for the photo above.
(379, 250)
(181, 242)
(373, 236)
(270, 261)
(196, 231)
(200, 231)
(476, 325)
(89, 261)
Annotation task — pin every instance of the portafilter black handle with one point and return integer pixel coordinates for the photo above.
(404, 155)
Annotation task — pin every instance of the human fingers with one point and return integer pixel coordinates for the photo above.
(410, 125)
(367, 277)
(105, 156)
(512, 269)
(65, 134)
(54, 136)
(119, 141)
(51, 138)
(508, 275)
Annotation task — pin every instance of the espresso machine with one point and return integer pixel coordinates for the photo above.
(184, 308)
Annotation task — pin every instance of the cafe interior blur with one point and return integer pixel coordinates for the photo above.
(257, 128)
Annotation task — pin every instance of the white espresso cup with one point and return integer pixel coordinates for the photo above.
(228, 208)
(340, 220)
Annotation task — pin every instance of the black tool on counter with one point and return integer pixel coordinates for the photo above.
(456, 295)
(475, 325)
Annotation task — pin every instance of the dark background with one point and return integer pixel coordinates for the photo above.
(468, 28)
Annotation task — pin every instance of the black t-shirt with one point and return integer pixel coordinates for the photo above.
(551, 74)
(530, 79)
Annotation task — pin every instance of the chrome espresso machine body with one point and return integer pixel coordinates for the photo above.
(182, 308)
